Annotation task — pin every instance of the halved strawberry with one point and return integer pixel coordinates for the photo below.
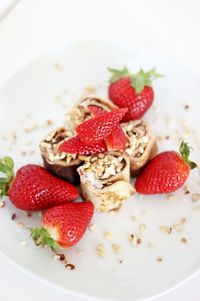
(101, 126)
(75, 145)
(63, 225)
(116, 140)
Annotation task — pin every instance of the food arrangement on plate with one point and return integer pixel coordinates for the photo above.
(105, 144)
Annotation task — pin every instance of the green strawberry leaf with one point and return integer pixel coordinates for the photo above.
(41, 236)
(9, 162)
(51, 242)
(4, 181)
(6, 168)
(117, 74)
(3, 191)
(184, 150)
(142, 79)
(138, 83)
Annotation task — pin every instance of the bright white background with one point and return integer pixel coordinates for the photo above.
(32, 27)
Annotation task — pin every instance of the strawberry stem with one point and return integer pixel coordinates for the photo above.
(41, 236)
(138, 80)
(184, 150)
(6, 169)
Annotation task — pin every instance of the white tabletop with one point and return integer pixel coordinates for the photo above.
(34, 27)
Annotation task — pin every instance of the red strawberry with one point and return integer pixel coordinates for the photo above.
(101, 126)
(116, 140)
(166, 172)
(33, 187)
(77, 146)
(95, 110)
(132, 91)
(63, 225)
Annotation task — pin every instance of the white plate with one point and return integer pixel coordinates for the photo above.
(45, 89)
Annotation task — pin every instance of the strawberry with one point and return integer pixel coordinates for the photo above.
(166, 172)
(116, 140)
(95, 110)
(33, 187)
(101, 126)
(132, 91)
(63, 225)
(75, 145)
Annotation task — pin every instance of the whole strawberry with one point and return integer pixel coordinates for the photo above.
(33, 187)
(166, 172)
(132, 91)
(63, 225)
